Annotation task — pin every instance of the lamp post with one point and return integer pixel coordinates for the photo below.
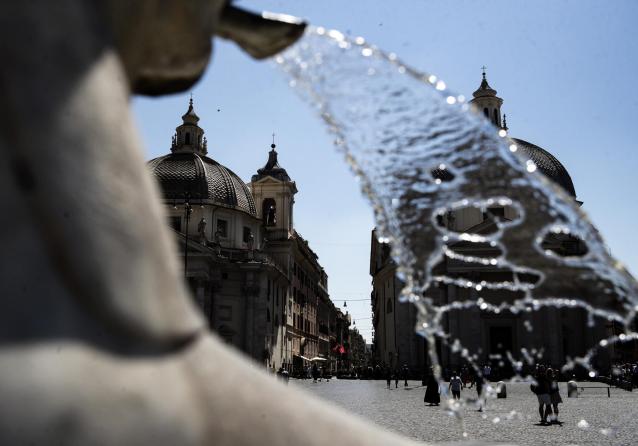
(188, 209)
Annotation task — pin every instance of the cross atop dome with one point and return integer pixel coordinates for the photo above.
(189, 137)
(272, 167)
(190, 117)
(484, 89)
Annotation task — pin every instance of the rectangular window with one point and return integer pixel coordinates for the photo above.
(222, 228)
(175, 223)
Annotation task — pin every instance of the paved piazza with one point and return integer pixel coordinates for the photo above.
(608, 421)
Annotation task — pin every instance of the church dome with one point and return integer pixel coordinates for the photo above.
(547, 164)
(187, 171)
(202, 178)
(486, 102)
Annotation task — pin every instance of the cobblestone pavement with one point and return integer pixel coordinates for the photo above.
(607, 421)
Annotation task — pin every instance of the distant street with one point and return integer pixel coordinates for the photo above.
(608, 421)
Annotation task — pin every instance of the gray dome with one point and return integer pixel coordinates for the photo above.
(547, 164)
(203, 178)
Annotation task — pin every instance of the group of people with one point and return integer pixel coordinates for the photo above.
(457, 382)
(545, 386)
(396, 376)
(625, 375)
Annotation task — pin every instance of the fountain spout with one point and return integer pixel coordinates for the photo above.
(260, 35)
(165, 46)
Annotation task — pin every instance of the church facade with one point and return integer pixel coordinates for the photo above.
(255, 278)
(557, 334)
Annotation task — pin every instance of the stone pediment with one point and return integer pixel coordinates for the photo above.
(268, 180)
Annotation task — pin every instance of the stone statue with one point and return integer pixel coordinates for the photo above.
(251, 241)
(201, 229)
(106, 347)
(271, 218)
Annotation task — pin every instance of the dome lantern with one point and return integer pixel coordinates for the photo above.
(486, 101)
(189, 137)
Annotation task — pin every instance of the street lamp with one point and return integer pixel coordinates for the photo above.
(188, 209)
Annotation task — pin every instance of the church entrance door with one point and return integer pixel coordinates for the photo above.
(501, 342)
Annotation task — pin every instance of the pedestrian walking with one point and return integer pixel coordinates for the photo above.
(396, 378)
(478, 381)
(432, 391)
(405, 372)
(315, 373)
(541, 389)
(456, 384)
(388, 376)
(554, 394)
(487, 371)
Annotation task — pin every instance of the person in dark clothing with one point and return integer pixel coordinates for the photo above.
(432, 394)
(554, 395)
(478, 381)
(315, 373)
(396, 378)
(541, 389)
(405, 371)
(456, 384)
(388, 376)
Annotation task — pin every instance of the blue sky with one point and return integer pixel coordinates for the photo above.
(565, 69)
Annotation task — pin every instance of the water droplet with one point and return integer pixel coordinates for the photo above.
(359, 40)
(440, 85)
(513, 148)
(531, 166)
(502, 133)
(583, 424)
(451, 100)
(337, 35)
(366, 52)
(592, 374)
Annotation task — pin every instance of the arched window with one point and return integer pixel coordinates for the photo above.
(496, 117)
(187, 138)
(486, 112)
(388, 306)
(269, 212)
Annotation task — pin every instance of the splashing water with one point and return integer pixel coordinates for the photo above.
(423, 158)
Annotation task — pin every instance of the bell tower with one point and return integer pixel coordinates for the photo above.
(487, 103)
(274, 194)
